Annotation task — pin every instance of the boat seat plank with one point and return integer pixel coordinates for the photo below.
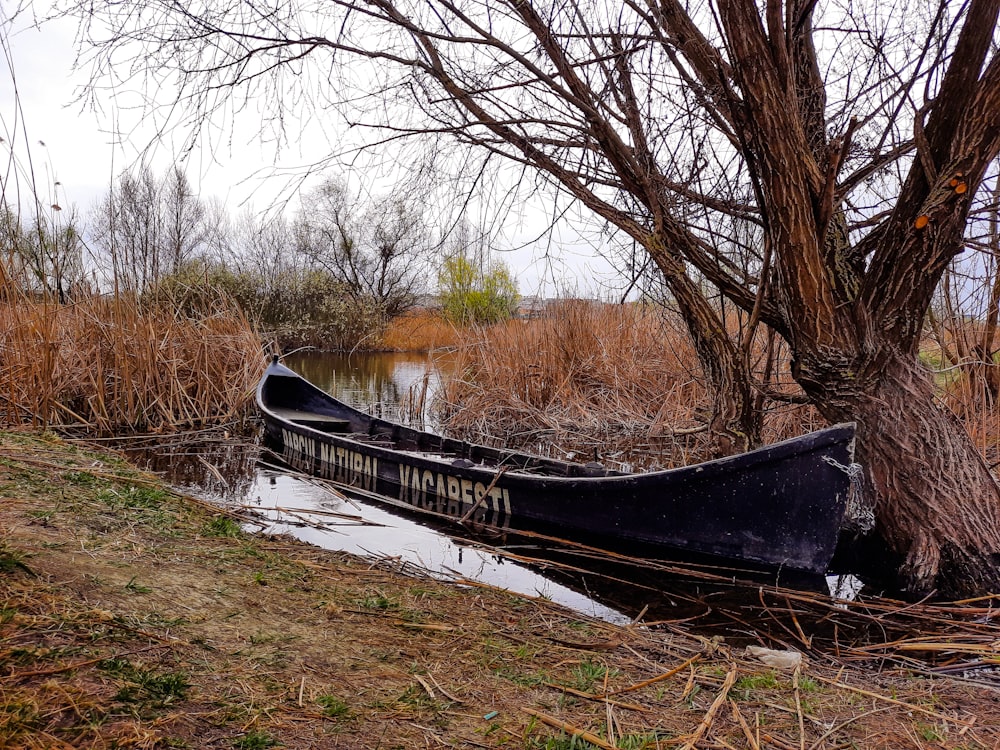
(312, 419)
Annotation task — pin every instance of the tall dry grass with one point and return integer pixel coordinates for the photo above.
(420, 331)
(621, 377)
(967, 381)
(111, 365)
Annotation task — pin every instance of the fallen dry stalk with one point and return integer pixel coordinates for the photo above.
(573, 731)
(591, 697)
(706, 722)
(738, 715)
(895, 702)
(666, 675)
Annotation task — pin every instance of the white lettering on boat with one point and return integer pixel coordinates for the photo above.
(423, 488)
(330, 461)
(444, 493)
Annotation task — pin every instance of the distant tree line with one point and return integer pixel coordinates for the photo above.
(331, 274)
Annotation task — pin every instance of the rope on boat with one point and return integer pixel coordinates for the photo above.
(860, 511)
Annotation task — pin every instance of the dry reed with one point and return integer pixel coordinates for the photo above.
(626, 378)
(623, 377)
(420, 331)
(968, 383)
(112, 365)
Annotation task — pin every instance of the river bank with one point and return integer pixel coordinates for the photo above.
(131, 616)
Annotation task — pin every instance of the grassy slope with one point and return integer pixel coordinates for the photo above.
(131, 617)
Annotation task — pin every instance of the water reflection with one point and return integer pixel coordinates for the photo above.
(395, 386)
(239, 473)
(296, 506)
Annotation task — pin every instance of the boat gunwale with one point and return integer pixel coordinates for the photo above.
(787, 448)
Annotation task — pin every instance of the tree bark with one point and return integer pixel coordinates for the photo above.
(936, 503)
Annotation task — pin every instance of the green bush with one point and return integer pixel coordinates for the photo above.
(473, 295)
(297, 308)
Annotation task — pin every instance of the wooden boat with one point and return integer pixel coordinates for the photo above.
(780, 506)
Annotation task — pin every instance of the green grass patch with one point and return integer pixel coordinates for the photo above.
(83, 479)
(378, 600)
(137, 588)
(12, 559)
(222, 526)
(745, 687)
(589, 675)
(254, 740)
(134, 497)
(334, 708)
(144, 685)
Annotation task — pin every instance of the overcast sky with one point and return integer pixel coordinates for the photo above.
(82, 152)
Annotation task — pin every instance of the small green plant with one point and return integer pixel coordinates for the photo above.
(334, 707)
(18, 717)
(586, 675)
(143, 685)
(689, 699)
(259, 578)
(81, 478)
(746, 686)
(378, 601)
(929, 732)
(254, 740)
(417, 698)
(42, 516)
(808, 684)
(12, 559)
(223, 526)
(134, 497)
(137, 588)
(533, 679)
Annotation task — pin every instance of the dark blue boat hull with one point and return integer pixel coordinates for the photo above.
(780, 506)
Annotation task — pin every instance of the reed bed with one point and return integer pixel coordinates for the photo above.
(420, 331)
(968, 382)
(112, 365)
(626, 378)
(623, 377)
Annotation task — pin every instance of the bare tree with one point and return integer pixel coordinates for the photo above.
(185, 220)
(816, 163)
(45, 257)
(379, 251)
(146, 227)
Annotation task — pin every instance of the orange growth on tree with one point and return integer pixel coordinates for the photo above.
(921, 221)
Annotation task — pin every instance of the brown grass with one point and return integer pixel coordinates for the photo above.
(966, 385)
(420, 331)
(130, 617)
(622, 377)
(113, 365)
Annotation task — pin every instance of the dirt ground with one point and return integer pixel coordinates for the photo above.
(134, 617)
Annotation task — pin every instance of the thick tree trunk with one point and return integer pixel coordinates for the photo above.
(936, 504)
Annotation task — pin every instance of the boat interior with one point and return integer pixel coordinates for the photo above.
(321, 412)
